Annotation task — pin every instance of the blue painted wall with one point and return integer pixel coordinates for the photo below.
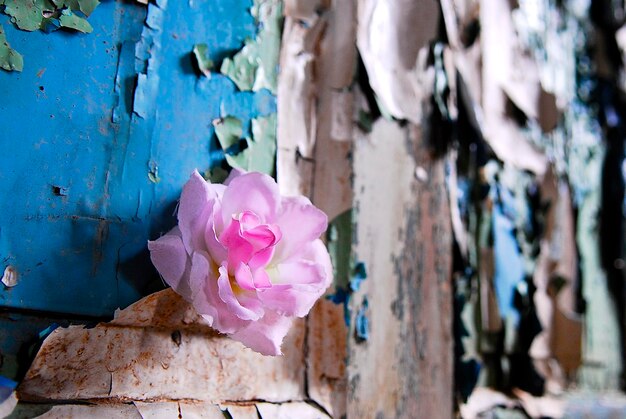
(82, 127)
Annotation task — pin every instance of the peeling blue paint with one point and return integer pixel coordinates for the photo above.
(111, 102)
(359, 275)
(362, 327)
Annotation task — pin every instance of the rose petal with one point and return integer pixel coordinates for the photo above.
(298, 286)
(266, 335)
(262, 236)
(243, 276)
(211, 233)
(170, 258)
(300, 223)
(248, 220)
(317, 252)
(242, 306)
(194, 211)
(251, 191)
(221, 318)
(234, 173)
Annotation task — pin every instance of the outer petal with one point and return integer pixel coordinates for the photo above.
(244, 308)
(171, 260)
(234, 173)
(212, 232)
(218, 314)
(298, 286)
(266, 335)
(251, 191)
(201, 272)
(317, 252)
(195, 210)
(300, 223)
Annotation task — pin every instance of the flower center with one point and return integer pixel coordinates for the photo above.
(250, 244)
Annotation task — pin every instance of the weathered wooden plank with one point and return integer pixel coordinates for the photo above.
(404, 368)
(326, 357)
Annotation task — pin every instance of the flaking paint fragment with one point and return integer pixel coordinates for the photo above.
(260, 152)
(147, 62)
(86, 7)
(362, 326)
(153, 173)
(254, 66)
(10, 277)
(228, 130)
(49, 15)
(205, 64)
(72, 21)
(27, 15)
(358, 276)
(10, 60)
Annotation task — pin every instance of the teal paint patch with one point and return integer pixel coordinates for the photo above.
(255, 66)
(202, 60)
(10, 60)
(31, 15)
(28, 15)
(228, 131)
(260, 152)
(71, 21)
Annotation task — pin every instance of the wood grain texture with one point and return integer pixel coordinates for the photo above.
(404, 237)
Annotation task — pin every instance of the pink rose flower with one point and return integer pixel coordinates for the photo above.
(247, 258)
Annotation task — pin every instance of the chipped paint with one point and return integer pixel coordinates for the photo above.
(362, 323)
(135, 358)
(49, 15)
(228, 130)
(260, 153)
(254, 66)
(204, 63)
(10, 276)
(10, 60)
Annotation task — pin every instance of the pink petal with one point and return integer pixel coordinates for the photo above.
(248, 220)
(298, 286)
(251, 191)
(211, 233)
(234, 173)
(300, 223)
(195, 210)
(239, 250)
(170, 258)
(215, 311)
(199, 275)
(242, 306)
(262, 236)
(261, 258)
(266, 335)
(261, 279)
(243, 276)
(317, 252)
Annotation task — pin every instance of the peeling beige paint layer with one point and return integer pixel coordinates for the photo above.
(159, 349)
(393, 39)
(315, 102)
